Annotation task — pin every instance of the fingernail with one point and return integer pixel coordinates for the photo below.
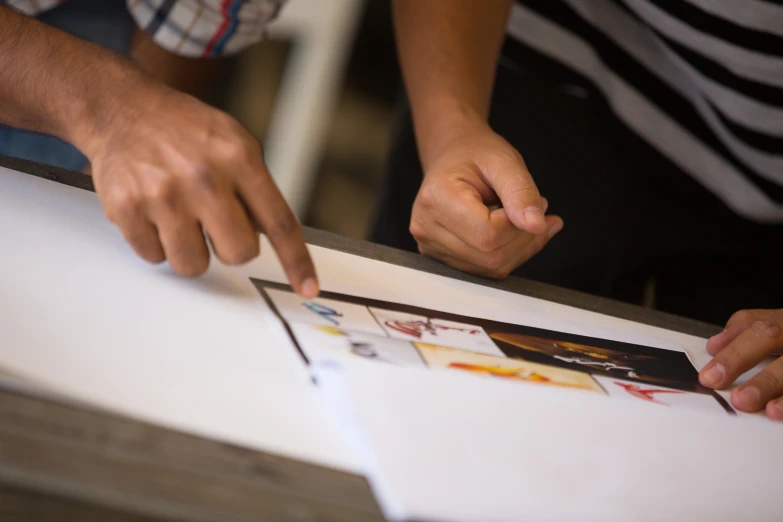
(534, 216)
(557, 227)
(713, 375)
(748, 397)
(546, 205)
(309, 288)
(775, 409)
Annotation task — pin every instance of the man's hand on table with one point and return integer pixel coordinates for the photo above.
(750, 337)
(456, 218)
(170, 169)
(167, 168)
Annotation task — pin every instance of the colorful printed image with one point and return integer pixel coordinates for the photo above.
(326, 342)
(649, 365)
(411, 327)
(337, 325)
(324, 312)
(504, 368)
(660, 395)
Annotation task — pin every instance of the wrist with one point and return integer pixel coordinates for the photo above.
(441, 124)
(114, 101)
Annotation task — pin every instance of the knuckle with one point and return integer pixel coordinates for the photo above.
(162, 192)
(500, 273)
(228, 124)
(121, 204)
(426, 198)
(417, 230)
(742, 317)
(766, 328)
(239, 150)
(195, 267)
(234, 150)
(153, 256)
(495, 264)
(195, 174)
(731, 358)
(146, 245)
(282, 226)
(485, 240)
(241, 254)
(768, 380)
(204, 179)
(148, 251)
(518, 188)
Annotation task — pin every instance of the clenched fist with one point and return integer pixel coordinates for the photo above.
(478, 209)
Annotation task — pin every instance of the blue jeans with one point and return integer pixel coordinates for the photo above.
(104, 22)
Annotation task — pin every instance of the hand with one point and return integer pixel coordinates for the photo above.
(750, 336)
(169, 169)
(455, 218)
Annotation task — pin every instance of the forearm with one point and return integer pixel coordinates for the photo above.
(448, 51)
(55, 83)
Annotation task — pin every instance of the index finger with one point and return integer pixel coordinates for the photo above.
(747, 350)
(736, 324)
(269, 209)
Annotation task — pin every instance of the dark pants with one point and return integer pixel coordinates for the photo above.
(631, 216)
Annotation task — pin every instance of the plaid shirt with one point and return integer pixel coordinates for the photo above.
(194, 28)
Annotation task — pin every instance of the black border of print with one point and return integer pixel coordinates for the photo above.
(657, 366)
(261, 286)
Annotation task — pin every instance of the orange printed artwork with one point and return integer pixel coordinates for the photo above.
(509, 373)
(506, 368)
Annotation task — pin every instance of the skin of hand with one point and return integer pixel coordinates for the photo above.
(449, 51)
(456, 218)
(170, 170)
(750, 336)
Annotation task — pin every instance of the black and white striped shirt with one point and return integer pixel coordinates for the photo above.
(700, 80)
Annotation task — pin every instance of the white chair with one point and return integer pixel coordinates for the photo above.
(322, 32)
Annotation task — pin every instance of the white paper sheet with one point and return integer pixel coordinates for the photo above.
(80, 314)
(446, 446)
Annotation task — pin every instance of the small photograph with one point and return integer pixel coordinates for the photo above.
(505, 368)
(320, 343)
(324, 312)
(419, 328)
(388, 332)
(670, 397)
(633, 363)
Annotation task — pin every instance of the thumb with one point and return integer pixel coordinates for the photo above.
(553, 225)
(519, 195)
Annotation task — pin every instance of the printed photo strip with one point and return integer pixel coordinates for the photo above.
(334, 326)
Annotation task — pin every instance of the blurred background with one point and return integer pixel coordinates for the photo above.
(319, 92)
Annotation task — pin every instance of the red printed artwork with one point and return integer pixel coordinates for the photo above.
(647, 394)
(417, 328)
